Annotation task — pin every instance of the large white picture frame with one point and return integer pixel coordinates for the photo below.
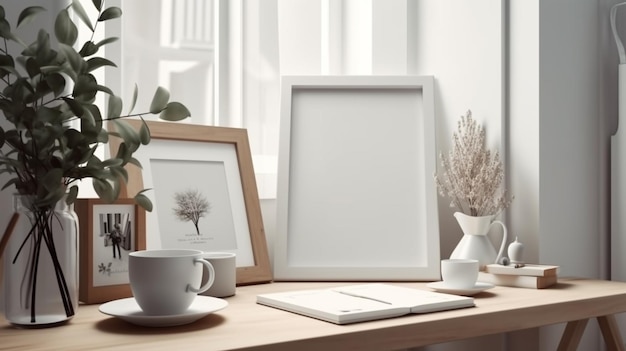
(356, 199)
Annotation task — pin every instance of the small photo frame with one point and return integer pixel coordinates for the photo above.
(108, 233)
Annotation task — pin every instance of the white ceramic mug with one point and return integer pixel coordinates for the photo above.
(459, 273)
(225, 274)
(165, 282)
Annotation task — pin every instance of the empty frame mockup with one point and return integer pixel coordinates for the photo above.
(356, 196)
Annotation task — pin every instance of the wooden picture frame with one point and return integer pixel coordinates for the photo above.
(356, 198)
(215, 160)
(103, 274)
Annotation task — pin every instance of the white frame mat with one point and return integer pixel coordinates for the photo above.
(356, 199)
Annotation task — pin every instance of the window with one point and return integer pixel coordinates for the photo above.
(218, 57)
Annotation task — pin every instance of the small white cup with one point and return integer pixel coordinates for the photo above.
(165, 282)
(459, 273)
(225, 274)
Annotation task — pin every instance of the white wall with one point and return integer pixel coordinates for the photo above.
(554, 139)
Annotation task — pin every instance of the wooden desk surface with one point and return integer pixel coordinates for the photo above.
(245, 325)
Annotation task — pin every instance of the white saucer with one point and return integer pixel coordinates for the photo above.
(129, 310)
(441, 287)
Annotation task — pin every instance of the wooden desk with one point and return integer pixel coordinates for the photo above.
(244, 325)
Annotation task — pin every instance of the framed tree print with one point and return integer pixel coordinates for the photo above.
(203, 189)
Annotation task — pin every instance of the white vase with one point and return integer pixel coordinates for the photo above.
(41, 265)
(475, 243)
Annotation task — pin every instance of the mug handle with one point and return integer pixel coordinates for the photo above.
(504, 240)
(210, 281)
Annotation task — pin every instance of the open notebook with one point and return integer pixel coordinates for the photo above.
(364, 302)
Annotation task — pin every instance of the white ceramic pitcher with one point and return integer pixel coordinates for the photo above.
(475, 243)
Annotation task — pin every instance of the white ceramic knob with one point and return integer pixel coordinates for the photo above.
(516, 252)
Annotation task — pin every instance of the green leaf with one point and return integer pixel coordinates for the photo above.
(112, 162)
(74, 106)
(134, 161)
(123, 152)
(175, 111)
(5, 28)
(134, 100)
(5, 32)
(85, 88)
(143, 201)
(9, 183)
(80, 12)
(51, 198)
(127, 132)
(144, 133)
(53, 179)
(97, 4)
(159, 100)
(56, 82)
(106, 41)
(104, 189)
(104, 89)
(120, 173)
(72, 194)
(32, 68)
(88, 49)
(110, 13)
(64, 29)
(97, 62)
(28, 14)
(115, 107)
(4, 70)
(77, 63)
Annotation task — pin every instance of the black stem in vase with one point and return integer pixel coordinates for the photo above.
(58, 270)
(41, 232)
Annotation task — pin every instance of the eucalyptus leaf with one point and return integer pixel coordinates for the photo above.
(134, 100)
(115, 107)
(134, 161)
(5, 27)
(82, 14)
(56, 83)
(88, 49)
(28, 14)
(120, 172)
(72, 194)
(143, 201)
(106, 41)
(53, 179)
(97, 62)
(175, 111)
(104, 189)
(75, 60)
(97, 4)
(64, 29)
(110, 13)
(144, 133)
(127, 132)
(159, 100)
(112, 162)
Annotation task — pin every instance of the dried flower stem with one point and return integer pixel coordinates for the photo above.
(472, 176)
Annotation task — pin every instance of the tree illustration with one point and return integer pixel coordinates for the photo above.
(191, 206)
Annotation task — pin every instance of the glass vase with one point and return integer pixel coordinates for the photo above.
(41, 265)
